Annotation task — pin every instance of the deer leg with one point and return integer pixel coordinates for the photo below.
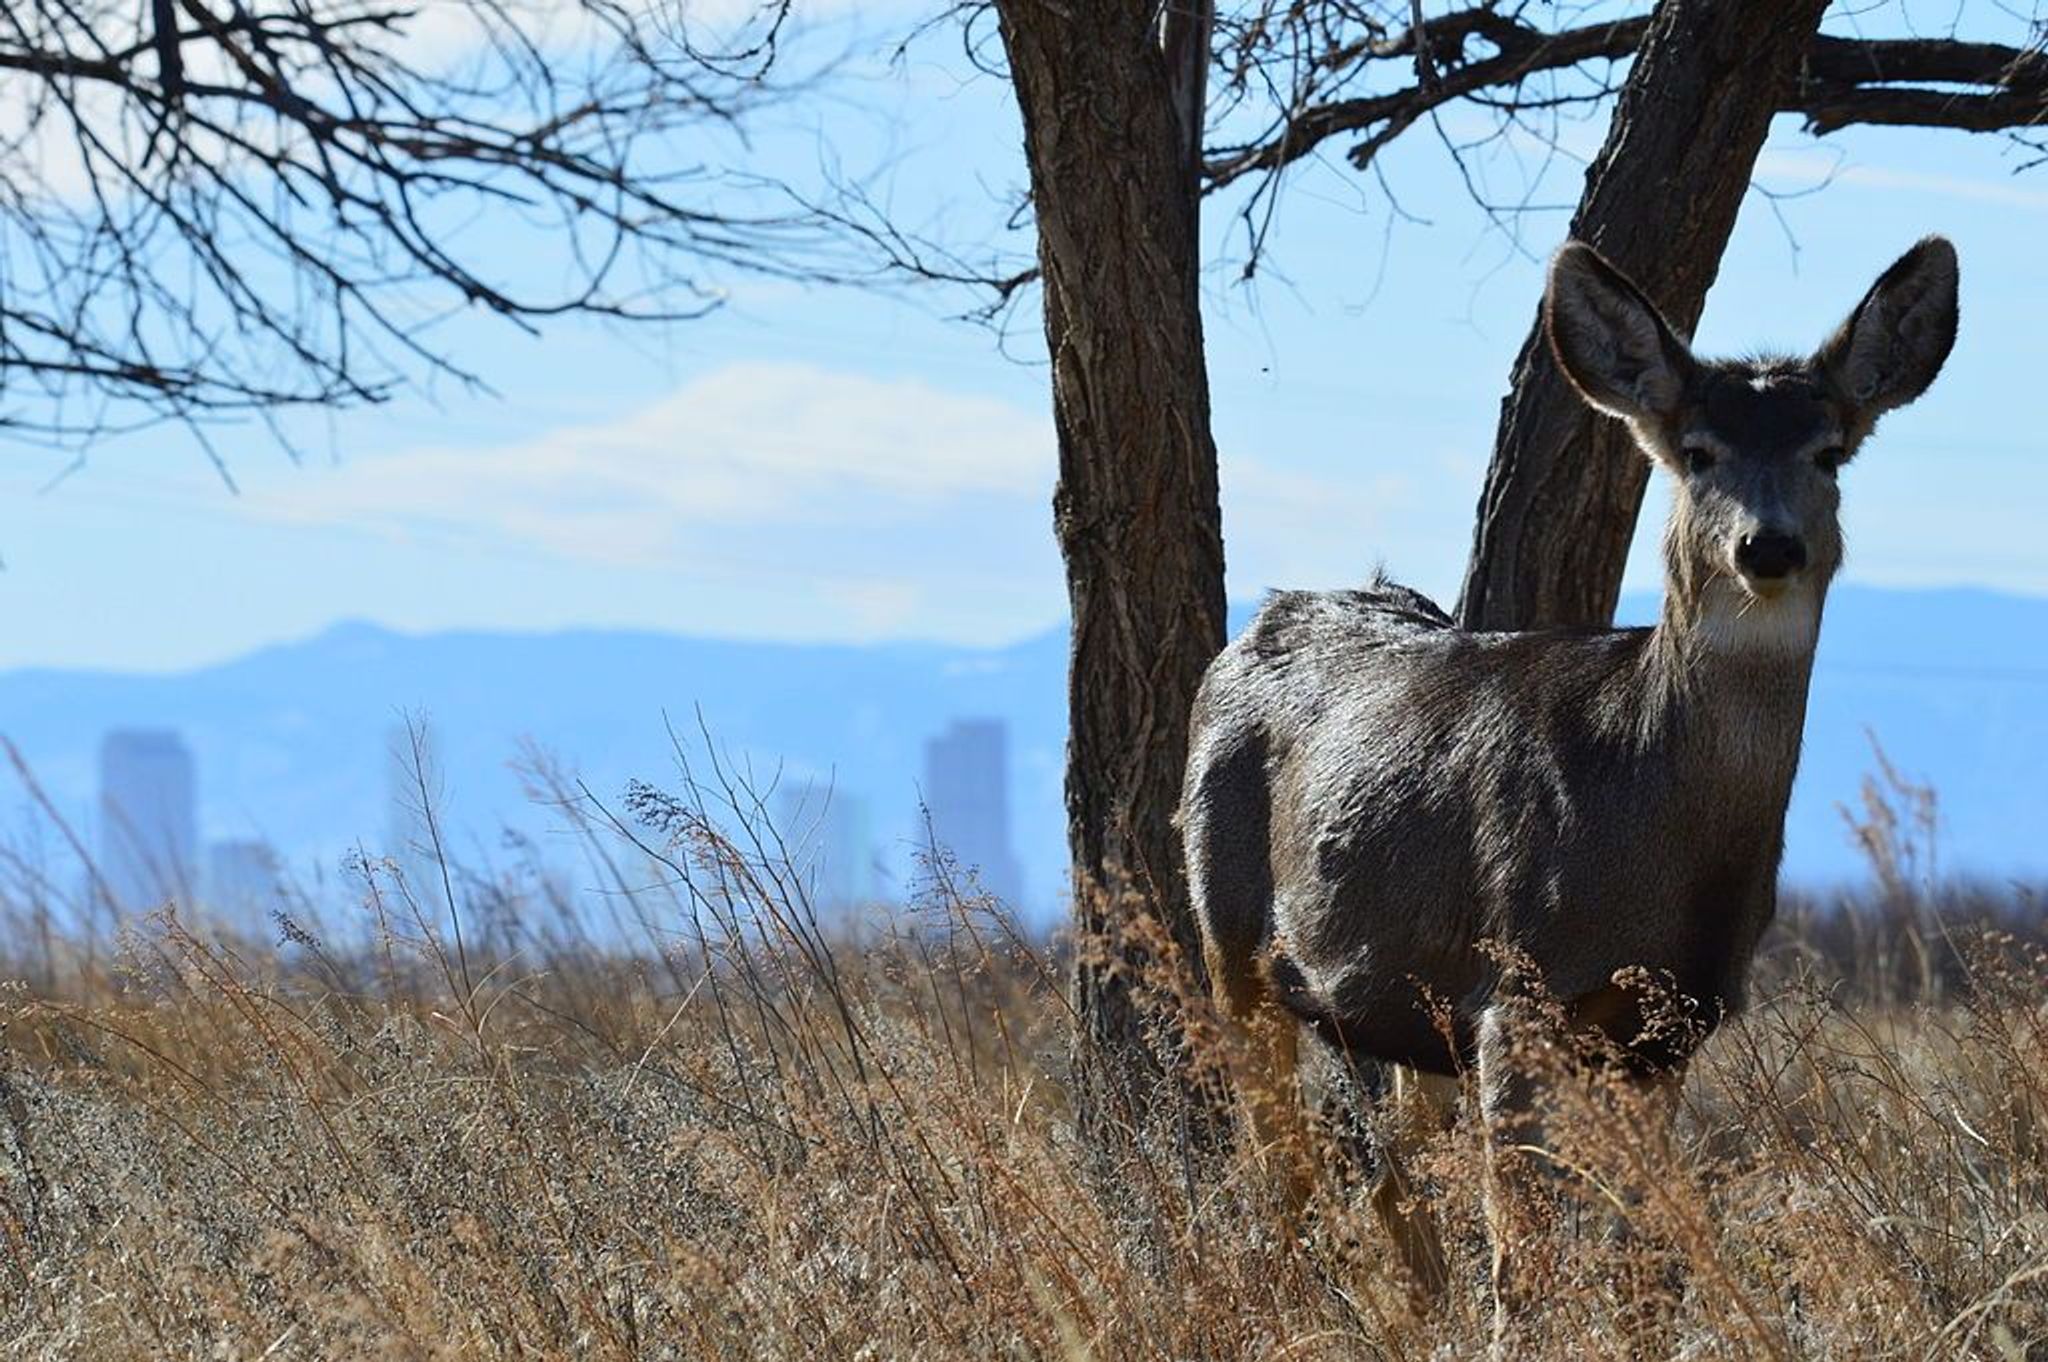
(1520, 1191)
(1656, 1278)
(1419, 1106)
(1510, 1105)
(1263, 1069)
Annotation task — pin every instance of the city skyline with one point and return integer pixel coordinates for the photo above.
(295, 744)
(157, 841)
(149, 842)
(967, 797)
(148, 832)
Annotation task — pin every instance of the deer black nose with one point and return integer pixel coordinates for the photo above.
(1767, 556)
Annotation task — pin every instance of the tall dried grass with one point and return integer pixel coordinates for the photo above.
(758, 1134)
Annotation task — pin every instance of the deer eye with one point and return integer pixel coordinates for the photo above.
(1698, 459)
(1830, 460)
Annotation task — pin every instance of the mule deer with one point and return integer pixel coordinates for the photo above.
(1373, 794)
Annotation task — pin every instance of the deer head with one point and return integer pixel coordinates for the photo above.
(1754, 446)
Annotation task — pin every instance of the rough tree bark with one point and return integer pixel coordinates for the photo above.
(1565, 485)
(1112, 104)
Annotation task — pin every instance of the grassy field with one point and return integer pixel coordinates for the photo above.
(481, 1136)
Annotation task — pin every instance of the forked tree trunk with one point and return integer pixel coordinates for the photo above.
(1112, 112)
(1565, 485)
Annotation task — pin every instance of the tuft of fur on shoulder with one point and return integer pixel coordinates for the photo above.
(1381, 608)
(1389, 597)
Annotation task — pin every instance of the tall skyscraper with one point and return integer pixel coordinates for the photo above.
(830, 843)
(149, 825)
(967, 790)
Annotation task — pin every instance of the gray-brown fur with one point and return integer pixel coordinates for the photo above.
(1372, 793)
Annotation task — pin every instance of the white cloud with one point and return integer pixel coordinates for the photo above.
(888, 506)
(759, 446)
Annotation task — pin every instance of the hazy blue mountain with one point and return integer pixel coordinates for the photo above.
(292, 742)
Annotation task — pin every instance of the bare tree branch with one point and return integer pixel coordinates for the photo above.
(1525, 52)
(224, 206)
(1887, 82)
(1847, 81)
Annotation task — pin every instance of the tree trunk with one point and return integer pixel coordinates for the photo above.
(1565, 485)
(1111, 123)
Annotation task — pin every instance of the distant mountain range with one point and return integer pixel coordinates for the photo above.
(293, 742)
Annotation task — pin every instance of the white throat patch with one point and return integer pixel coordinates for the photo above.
(1732, 622)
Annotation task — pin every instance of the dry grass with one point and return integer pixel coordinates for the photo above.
(751, 1140)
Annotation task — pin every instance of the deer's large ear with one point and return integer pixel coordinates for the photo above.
(1610, 340)
(1894, 343)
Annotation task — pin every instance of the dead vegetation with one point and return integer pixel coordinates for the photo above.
(757, 1137)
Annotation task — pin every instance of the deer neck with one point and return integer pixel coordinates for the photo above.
(1729, 673)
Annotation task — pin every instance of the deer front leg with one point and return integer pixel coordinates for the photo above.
(1653, 1272)
(1522, 1058)
(1510, 1108)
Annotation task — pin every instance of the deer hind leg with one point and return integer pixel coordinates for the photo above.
(1418, 1107)
(1263, 1065)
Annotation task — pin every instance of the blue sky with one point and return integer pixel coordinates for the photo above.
(813, 464)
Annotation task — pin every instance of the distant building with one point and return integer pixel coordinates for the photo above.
(830, 842)
(243, 881)
(967, 790)
(148, 819)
